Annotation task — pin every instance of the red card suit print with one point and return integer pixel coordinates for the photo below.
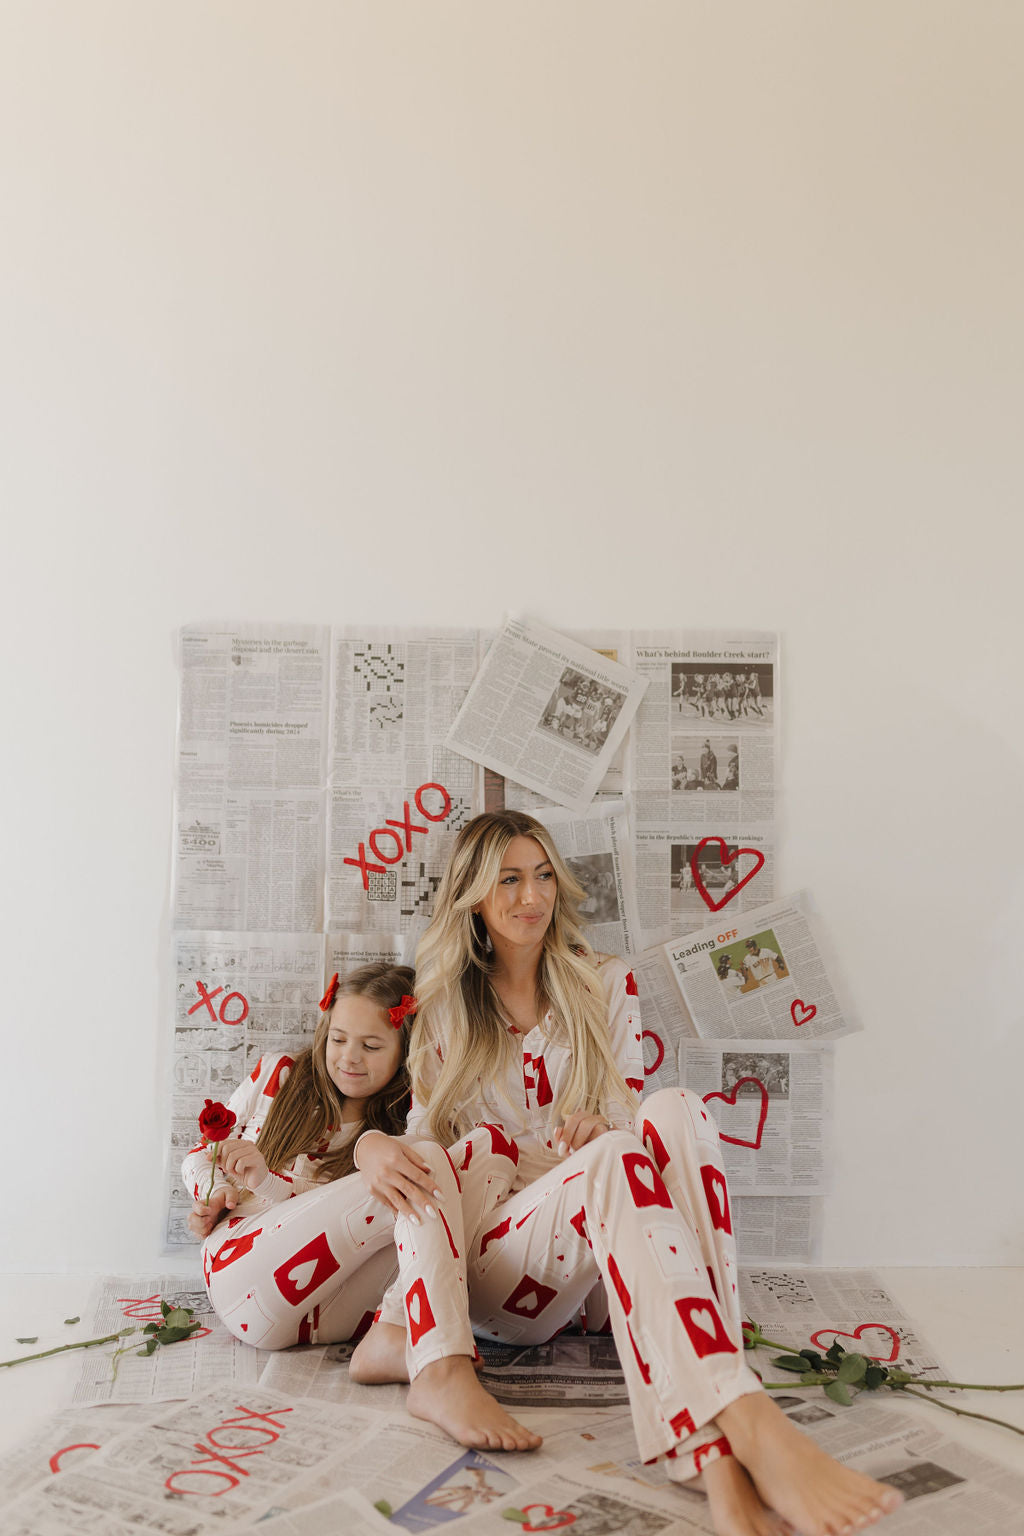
(654, 1144)
(644, 1180)
(548, 1519)
(801, 1012)
(730, 1098)
(234, 1248)
(717, 1196)
(704, 1327)
(418, 1311)
(727, 859)
(893, 1339)
(529, 1298)
(299, 1276)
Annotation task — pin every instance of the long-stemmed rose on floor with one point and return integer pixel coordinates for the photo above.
(216, 1122)
(178, 1323)
(843, 1374)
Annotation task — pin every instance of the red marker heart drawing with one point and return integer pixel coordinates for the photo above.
(727, 859)
(818, 1339)
(553, 1519)
(805, 1010)
(730, 1098)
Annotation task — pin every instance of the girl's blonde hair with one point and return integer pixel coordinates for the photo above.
(308, 1106)
(460, 1018)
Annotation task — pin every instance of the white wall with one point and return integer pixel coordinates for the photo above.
(664, 313)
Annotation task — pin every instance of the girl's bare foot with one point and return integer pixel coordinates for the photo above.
(380, 1356)
(736, 1506)
(817, 1495)
(447, 1393)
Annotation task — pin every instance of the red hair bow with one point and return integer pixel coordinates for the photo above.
(327, 1001)
(407, 1006)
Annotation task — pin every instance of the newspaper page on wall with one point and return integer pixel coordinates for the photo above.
(759, 976)
(771, 1104)
(238, 996)
(597, 846)
(547, 713)
(776, 1227)
(664, 1020)
(703, 771)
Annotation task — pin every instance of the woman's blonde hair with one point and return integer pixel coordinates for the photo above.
(460, 1017)
(309, 1105)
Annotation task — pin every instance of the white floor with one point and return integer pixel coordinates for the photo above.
(974, 1318)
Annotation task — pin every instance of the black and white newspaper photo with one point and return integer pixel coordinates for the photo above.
(760, 975)
(547, 712)
(253, 705)
(771, 1105)
(684, 878)
(238, 996)
(597, 846)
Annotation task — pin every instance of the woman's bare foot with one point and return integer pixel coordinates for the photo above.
(736, 1505)
(817, 1495)
(447, 1393)
(380, 1356)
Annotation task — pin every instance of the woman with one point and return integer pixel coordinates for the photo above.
(522, 1026)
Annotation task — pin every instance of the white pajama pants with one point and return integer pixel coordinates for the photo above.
(313, 1269)
(647, 1214)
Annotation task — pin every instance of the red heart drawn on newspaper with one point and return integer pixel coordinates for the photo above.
(805, 1010)
(552, 1519)
(730, 1098)
(727, 859)
(818, 1339)
(659, 1049)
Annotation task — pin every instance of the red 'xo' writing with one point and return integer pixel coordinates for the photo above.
(147, 1309)
(206, 1000)
(218, 1453)
(397, 835)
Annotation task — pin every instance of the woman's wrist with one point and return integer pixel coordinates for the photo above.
(360, 1138)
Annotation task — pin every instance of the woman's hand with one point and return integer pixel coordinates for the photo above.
(577, 1129)
(203, 1218)
(241, 1161)
(394, 1173)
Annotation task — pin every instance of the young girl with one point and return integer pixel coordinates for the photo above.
(308, 1249)
(520, 1021)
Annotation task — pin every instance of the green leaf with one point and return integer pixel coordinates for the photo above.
(384, 1507)
(790, 1362)
(68, 1321)
(166, 1308)
(874, 1376)
(178, 1318)
(518, 1515)
(814, 1379)
(147, 1348)
(168, 1335)
(853, 1368)
(151, 1328)
(814, 1360)
(33, 1340)
(835, 1353)
(839, 1393)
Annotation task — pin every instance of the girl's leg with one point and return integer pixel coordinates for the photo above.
(306, 1271)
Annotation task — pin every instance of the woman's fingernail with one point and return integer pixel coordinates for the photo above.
(430, 1211)
(438, 1195)
(415, 1220)
(562, 1149)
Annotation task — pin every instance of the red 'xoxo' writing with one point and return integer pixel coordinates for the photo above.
(215, 1453)
(400, 840)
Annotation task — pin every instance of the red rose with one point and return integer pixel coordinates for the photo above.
(216, 1121)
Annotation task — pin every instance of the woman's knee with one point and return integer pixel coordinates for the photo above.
(677, 1109)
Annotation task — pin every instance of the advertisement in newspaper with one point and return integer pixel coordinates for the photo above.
(759, 976)
(238, 996)
(248, 859)
(547, 713)
(212, 1357)
(771, 1106)
(253, 705)
(684, 879)
(598, 848)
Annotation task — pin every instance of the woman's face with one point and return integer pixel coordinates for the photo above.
(520, 907)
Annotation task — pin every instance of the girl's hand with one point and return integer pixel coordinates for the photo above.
(241, 1161)
(394, 1173)
(577, 1130)
(203, 1218)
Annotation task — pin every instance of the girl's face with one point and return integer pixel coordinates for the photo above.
(363, 1050)
(520, 907)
